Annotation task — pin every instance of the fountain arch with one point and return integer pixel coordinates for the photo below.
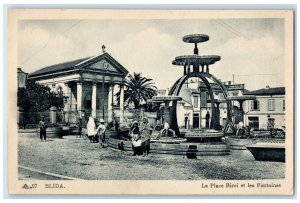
(175, 91)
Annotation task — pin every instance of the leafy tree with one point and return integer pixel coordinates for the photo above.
(36, 98)
(23, 99)
(138, 89)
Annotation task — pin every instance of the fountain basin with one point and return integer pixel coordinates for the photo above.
(169, 141)
(195, 38)
(196, 60)
(268, 151)
(177, 146)
(204, 136)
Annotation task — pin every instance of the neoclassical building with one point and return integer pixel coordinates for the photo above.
(87, 84)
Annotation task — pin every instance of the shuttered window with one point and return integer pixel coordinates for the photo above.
(254, 105)
(271, 104)
(196, 103)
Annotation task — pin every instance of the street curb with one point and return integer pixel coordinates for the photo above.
(52, 175)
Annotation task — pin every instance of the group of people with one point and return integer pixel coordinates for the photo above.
(140, 133)
(140, 137)
(96, 131)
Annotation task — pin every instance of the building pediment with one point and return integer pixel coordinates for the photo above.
(103, 63)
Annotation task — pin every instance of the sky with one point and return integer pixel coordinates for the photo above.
(251, 49)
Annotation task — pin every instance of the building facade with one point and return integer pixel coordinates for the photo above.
(260, 109)
(268, 110)
(22, 78)
(88, 86)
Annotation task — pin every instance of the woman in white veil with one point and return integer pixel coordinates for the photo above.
(91, 126)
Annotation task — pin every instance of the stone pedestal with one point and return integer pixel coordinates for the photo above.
(170, 116)
(20, 116)
(169, 113)
(53, 115)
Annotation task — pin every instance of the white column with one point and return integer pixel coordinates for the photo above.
(112, 98)
(79, 98)
(121, 104)
(94, 100)
(109, 100)
(67, 93)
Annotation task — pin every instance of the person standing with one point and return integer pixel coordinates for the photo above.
(79, 127)
(43, 127)
(136, 141)
(96, 137)
(145, 136)
(101, 131)
(186, 122)
(207, 117)
(91, 127)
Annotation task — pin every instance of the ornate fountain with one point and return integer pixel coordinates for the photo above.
(196, 61)
(197, 142)
(198, 66)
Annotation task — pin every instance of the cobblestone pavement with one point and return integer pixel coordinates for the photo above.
(78, 158)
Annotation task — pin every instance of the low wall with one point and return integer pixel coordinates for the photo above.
(33, 130)
(51, 132)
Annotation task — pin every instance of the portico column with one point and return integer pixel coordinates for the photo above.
(112, 98)
(121, 103)
(109, 100)
(207, 68)
(202, 68)
(94, 100)
(79, 98)
(67, 93)
(218, 114)
(241, 104)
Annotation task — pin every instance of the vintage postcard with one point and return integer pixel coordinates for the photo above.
(180, 102)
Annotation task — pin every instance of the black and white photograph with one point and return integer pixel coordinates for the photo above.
(137, 100)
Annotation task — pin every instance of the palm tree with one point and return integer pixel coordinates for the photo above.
(138, 89)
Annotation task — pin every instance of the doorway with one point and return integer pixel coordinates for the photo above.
(196, 120)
